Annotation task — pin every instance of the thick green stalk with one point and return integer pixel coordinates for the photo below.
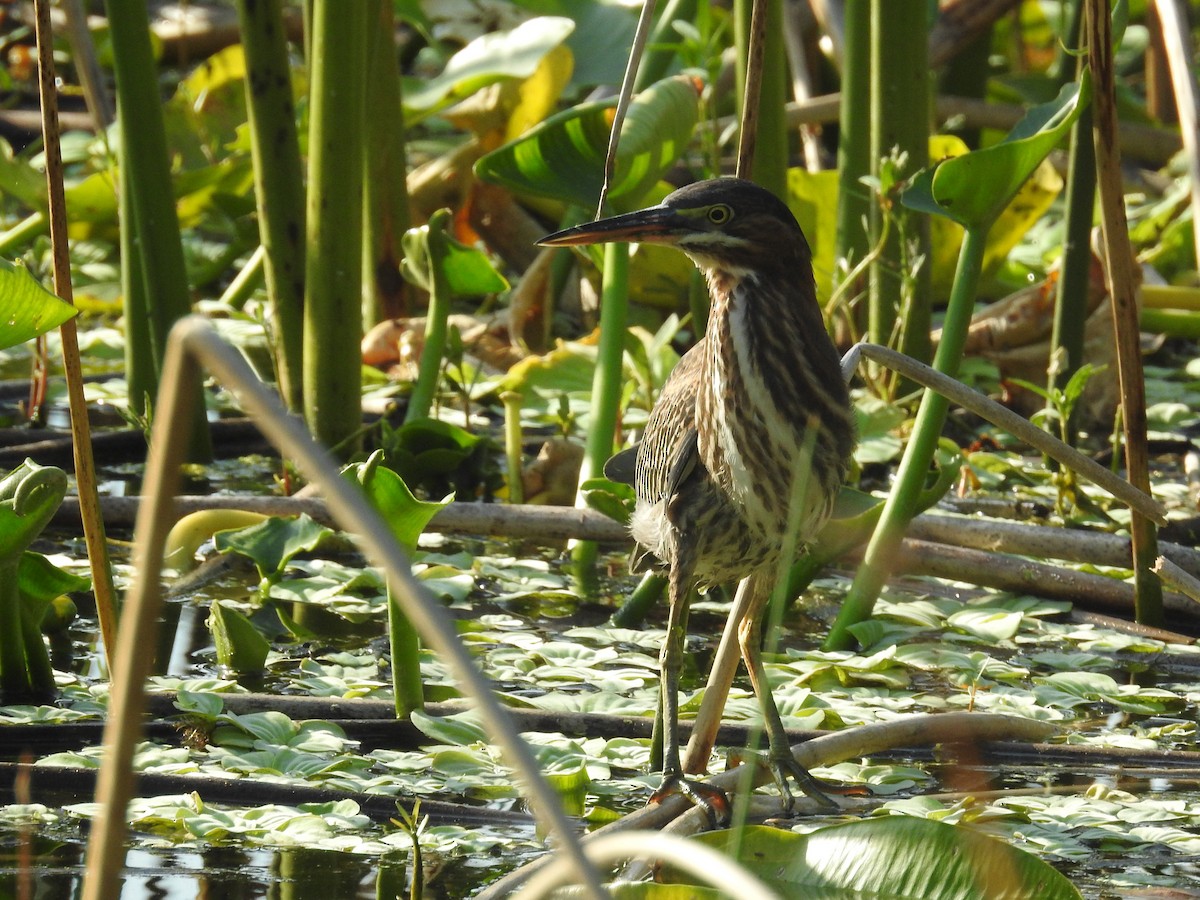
(903, 501)
(145, 169)
(854, 140)
(438, 314)
(900, 104)
(14, 673)
(333, 254)
(609, 377)
(32, 226)
(634, 610)
(770, 163)
(1070, 301)
(405, 646)
(385, 189)
(278, 185)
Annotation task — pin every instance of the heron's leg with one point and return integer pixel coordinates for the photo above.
(780, 758)
(712, 800)
(716, 692)
(670, 660)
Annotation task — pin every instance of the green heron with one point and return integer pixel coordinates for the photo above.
(754, 419)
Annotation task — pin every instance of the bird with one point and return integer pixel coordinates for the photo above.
(752, 433)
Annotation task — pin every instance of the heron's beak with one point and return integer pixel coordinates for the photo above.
(656, 224)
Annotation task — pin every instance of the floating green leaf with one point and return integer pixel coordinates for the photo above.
(272, 544)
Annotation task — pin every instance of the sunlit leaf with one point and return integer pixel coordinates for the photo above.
(486, 60)
(894, 856)
(974, 188)
(563, 157)
(272, 544)
(28, 309)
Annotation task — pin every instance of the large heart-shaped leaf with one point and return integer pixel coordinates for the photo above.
(563, 158)
(974, 188)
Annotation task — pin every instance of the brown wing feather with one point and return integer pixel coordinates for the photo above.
(667, 451)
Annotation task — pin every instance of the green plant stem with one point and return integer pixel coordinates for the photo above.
(607, 382)
(1070, 301)
(14, 673)
(385, 198)
(854, 144)
(438, 314)
(769, 159)
(1172, 322)
(145, 168)
(660, 49)
(278, 185)
(634, 610)
(333, 254)
(902, 502)
(33, 225)
(241, 288)
(405, 646)
(512, 401)
(900, 113)
(140, 380)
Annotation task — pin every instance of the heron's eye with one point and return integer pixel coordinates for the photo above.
(719, 214)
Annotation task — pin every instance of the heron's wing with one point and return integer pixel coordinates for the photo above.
(667, 453)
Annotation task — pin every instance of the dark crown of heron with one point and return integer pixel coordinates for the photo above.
(738, 227)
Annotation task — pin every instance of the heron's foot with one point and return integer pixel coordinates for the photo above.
(711, 799)
(783, 765)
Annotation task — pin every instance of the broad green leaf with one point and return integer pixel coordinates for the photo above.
(468, 270)
(987, 624)
(269, 727)
(488, 59)
(563, 158)
(405, 514)
(40, 579)
(974, 188)
(1035, 196)
(28, 308)
(272, 544)
(205, 704)
(897, 857)
(569, 367)
(460, 729)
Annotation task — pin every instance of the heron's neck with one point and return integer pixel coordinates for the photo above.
(769, 356)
